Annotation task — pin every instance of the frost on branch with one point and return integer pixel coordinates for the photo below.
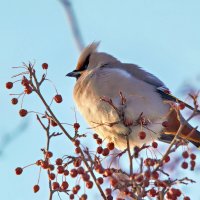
(147, 173)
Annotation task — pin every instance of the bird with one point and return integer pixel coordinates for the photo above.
(120, 100)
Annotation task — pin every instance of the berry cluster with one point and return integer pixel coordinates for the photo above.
(86, 168)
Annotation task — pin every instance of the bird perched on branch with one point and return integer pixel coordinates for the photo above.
(119, 99)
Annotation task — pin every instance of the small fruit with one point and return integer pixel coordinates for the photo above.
(154, 145)
(193, 156)
(77, 142)
(28, 90)
(23, 112)
(64, 185)
(89, 184)
(14, 101)
(36, 188)
(58, 98)
(167, 159)
(60, 169)
(18, 170)
(52, 176)
(105, 152)
(99, 180)
(9, 85)
(165, 124)
(99, 149)
(49, 154)
(76, 126)
(55, 185)
(181, 106)
(184, 165)
(142, 135)
(185, 154)
(44, 66)
(95, 136)
(110, 146)
(59, 161)
(73, 173)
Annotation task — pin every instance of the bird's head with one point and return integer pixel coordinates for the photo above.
(90, 58)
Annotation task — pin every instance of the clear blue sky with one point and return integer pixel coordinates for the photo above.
(161, 36)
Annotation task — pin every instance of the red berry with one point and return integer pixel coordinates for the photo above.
(155, 175)
(44, 66)
(14, 101)
(192, 163)
(80, 170)
(165, 124)
(108, 191)
(55, 186)
(95, 136)
(89, 184)
(45, 164)
(71, 196)
(51, 167)
(36, 188)
(110, 146)
(64, 185)
(49, 154)
(78, 150)
(66, 172)
(59, 161)
(73, 173)
(139, 178)
(52, 176)
(28, 90)
(113, 182)
(99, 149)
(142, 135)
(85, 177)
(60, 169)
(38, 162)
(58, 98)
(107, 172)
(193, 156)
(76, 126)
(185, 154)
(184, 165)
(83, 197)
(77, 162)
(152, 192)
(99, 141)
(167, 159)
(105, 152)
(154, 145)
(18, 170)
(147, 174)
(23, 112)
(77, 142)
(99, 169)
(99, 180)
(186, 198)
(181, 106)
(9, 85)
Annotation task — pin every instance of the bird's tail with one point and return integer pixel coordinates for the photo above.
(188, 132)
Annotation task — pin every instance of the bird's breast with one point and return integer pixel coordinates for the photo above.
(141, 99)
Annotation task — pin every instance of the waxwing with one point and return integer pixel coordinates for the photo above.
(103, 82)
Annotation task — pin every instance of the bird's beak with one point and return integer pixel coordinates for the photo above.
(74, 74)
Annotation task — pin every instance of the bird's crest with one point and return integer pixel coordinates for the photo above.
(85, 54)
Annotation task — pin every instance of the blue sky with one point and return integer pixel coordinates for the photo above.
(161, 36)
